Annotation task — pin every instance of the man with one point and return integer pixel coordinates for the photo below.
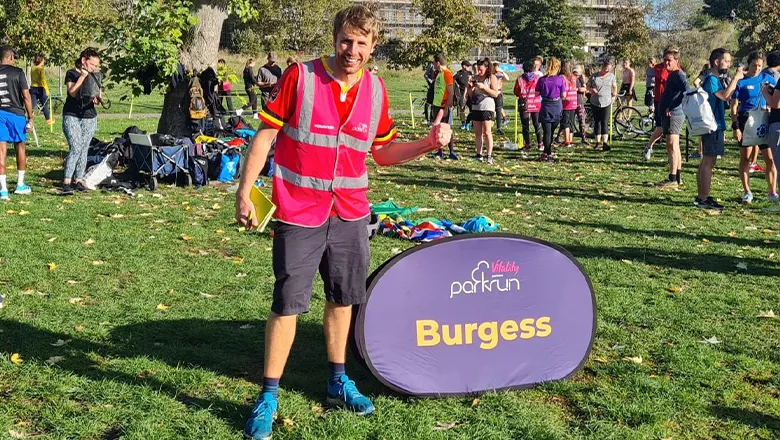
(748, 97)
(672, 116)
(430, 77)
(461, 79)
(443, 96)
(269, 74)
(15, 119)
(649, 81)
(660, 74)
(326, 114)
(773, 65)
(627, 85)
(772, 98)
(713, 144)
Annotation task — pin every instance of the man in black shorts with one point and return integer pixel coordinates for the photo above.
(461, 79)
(629, 80)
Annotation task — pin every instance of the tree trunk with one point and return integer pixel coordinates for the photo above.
(199, 51)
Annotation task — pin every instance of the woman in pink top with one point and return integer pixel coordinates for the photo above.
(529, 105)
(568, 123)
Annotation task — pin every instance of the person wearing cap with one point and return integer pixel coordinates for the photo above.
(15, 119)
(269, 74)
(327, 116)
(461, 79)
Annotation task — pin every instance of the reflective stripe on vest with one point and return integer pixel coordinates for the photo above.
(320, 184)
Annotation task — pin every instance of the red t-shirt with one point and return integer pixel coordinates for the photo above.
(281, 106)
(661, 74)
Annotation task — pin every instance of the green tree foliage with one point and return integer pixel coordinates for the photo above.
(628, 36)
(56, 29)
(722, 8)
(302, 26)
(455, 27)
(760, 27)
(545, 27)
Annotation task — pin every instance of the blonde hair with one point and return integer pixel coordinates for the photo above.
(356, 18)
(291, 60)
(553, 67)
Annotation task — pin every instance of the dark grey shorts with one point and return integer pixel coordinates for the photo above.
(773, 138)
(674, 123)
(713, 144)
(338, 249)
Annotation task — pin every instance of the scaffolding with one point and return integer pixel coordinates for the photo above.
(598, 14)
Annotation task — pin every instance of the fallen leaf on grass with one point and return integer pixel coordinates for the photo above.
(23, 212)
(52, 240)
(73, 282)
(207, 295)
(732, 234)
(767, 314)
(186, 237)
(10, 211)
(28, 291)
(79, 328)
(55, 359)
(288, 424)
(17, 359)
(162, 306)
(98, 263)
(24, 423)
(627, 261)
(238, 260)
(216, 207)
(318, 409)
(601, 360)
(766, 231)
(219, 231)
(443, 426)
(89, 242)
(52, 266)
(635, 359)
(59, 343)
(474, 403)
(742, 266)
(75, 300)
(16, 434)
(713, 340)
(116, 215)
(675, 289)
(600, 231)
(241, 275)
(751, 228)
(705, 240)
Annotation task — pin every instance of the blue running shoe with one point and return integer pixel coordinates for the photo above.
(438, 155)
(23, 190)
(4, 195)
(261, 423)
(454, 156)
(345, 393)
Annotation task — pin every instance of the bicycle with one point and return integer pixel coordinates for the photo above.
(419, 104)
(55, 103)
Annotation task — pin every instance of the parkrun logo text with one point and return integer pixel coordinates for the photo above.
(486, 277)
(489, 333)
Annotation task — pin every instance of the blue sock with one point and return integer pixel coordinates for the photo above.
(336, 370)
(270, 386)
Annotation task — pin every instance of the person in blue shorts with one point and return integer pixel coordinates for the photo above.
(15, 119)
(713, 144)
(748, 98)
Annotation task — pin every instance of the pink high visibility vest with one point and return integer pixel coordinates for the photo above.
(528, 91)
(319, 163)
(570, 99)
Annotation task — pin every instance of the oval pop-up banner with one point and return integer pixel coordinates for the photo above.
(476, 313)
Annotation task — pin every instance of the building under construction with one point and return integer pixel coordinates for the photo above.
(598, 14)
(401, 22)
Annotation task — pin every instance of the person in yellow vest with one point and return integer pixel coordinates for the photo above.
(326, 114)
(39, 87)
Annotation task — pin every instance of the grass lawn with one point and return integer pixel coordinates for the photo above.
(142, 318)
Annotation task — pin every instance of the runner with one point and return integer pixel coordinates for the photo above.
(649, 81)
(748, 97)
(552, 89)
(461, 79)
(714, 143)
(269, 74)
(603, 90)
(568, 123)
(659, 74)
(671, 114)
(627, 85)
(501, 77)
(443, 96)
(15, 119)
(323, 210)
(529, 105)
(482, 92)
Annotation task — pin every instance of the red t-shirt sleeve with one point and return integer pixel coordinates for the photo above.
(280, 106)
(386, 131)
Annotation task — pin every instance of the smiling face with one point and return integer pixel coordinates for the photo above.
(91, 64)
(756, 66)
(353, 50)
(671, 63)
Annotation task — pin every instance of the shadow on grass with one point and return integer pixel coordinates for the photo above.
(750, 418)
(221, 347)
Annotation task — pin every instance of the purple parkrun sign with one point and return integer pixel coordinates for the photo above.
(476, 313)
